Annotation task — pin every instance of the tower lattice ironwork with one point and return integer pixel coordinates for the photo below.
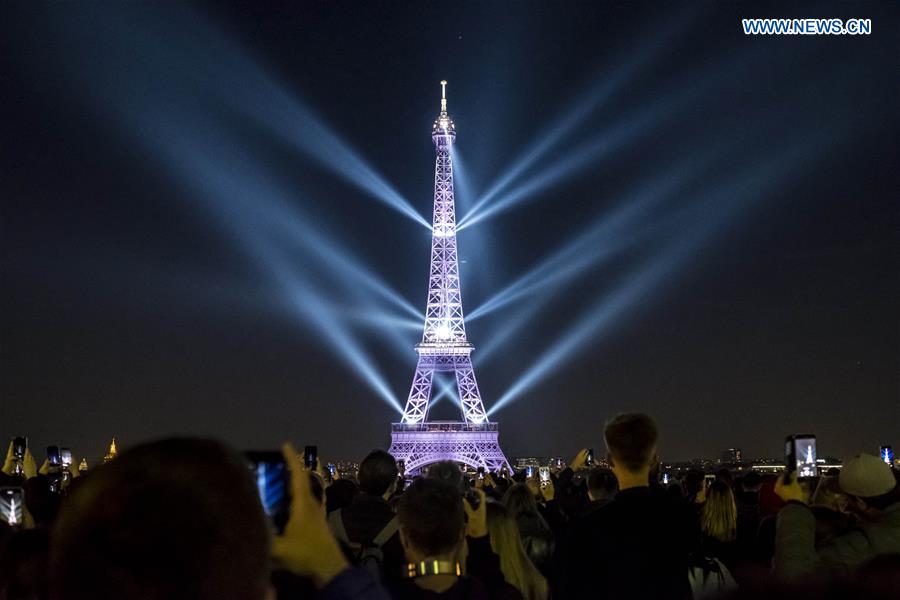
(444, 346)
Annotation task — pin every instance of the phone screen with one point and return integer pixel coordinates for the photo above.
(12, 500)
(665, 479)
(272, 478)
(401, 466)
(589, 458)
(53, 456)
(310, 455)
(887, 455)
(544, 474)
(65, 455)
(20, 444)
(805, 454)
(529, 472)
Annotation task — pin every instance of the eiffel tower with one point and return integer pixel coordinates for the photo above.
(444, 347)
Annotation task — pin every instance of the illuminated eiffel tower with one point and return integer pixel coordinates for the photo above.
(444, 346)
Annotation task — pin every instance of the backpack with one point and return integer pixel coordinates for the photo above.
(367, 555)
(709, 578)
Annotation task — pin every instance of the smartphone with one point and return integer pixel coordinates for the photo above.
(53, 456)
(800, 456)
(589, 458)
(529, 471)
(20, 444)
(310, 455)
(12, 499)
(401, 466)
(65, 456)
(544, 474)
(887, 455)
(332, 469)
(272, 478)
(665, 479)
(480, 472)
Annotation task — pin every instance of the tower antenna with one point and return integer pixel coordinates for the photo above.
(443, 96)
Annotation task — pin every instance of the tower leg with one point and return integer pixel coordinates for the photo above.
(420, 393)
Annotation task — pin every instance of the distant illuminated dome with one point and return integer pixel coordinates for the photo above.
(443, 127)
(111, 454)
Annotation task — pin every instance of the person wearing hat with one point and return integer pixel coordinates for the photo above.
(874, 496)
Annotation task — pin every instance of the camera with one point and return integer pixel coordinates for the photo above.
(589, 458)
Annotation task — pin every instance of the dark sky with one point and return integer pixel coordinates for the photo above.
(191, 199)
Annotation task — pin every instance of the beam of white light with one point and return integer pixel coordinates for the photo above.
(285, 118)
(603, 88)
(716, 210)
(232, 181)
(221, 76)
(627, 130)
(601, 240)
(589, 251)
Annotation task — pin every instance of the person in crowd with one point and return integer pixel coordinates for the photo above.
(831, 507)
(437, 526)
(693, 486)
(638, 545)
(537, 537)
(718, 524)
(517, 568)
(769, 505)
(601, 487)
(23, 564)
(340, 494)
(746, 498)
(874, 495)
(369, 522)
(181, 519)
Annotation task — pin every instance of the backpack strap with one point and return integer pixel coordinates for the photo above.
(336, 524)
(387, 533)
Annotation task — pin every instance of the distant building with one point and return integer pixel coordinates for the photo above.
(111, 453)
(732, 456)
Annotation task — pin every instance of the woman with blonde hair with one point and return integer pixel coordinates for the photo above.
(718, 524)
(517, 568)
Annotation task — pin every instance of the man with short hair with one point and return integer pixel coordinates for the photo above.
(369, 521)
(637, 545)
(437, 528)
(874, 497)
(602, 487)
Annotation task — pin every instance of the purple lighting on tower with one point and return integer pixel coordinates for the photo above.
(444, 346)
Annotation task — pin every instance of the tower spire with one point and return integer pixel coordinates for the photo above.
(443, 97)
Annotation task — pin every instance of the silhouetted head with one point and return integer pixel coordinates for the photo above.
(432, 519)
(601, 484)
(378, 473)
(631, 440)
(173, 519)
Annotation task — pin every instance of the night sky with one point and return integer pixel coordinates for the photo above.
(200, 206)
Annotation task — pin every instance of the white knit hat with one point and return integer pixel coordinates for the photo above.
(866, 476)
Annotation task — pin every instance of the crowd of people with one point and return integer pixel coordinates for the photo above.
(182, 518)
